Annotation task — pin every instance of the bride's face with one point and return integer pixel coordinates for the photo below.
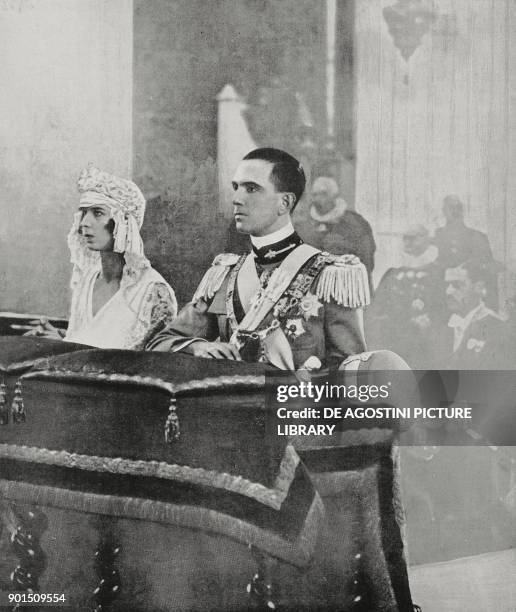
(97, 227)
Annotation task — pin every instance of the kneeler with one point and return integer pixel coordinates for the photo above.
(147, 481)
(357, 473)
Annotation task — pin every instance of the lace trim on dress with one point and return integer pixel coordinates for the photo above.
(158, 310)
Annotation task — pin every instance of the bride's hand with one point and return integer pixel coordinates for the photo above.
(44, 329)
(214, 350)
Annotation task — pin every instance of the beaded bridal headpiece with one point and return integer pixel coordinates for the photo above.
(127, 207)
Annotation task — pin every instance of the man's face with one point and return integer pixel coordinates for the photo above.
(257, 207)
(321, 199)
(461, 294)
(452, 210)
(415, 244)
(94, 227)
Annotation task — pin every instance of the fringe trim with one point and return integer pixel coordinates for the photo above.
(346, 283)
(376, 561)
(212, 280)
(21, 366)
(297, 553)
(397, 496)
(273, 498)
(204, 384)
(287, 471)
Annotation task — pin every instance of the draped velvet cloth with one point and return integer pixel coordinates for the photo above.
(92, 455)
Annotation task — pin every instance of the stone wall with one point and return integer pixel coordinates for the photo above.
(65, 100)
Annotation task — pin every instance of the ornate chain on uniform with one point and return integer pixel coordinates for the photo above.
(230, 310)
(293, 294)
(264, 274)
(302, 283)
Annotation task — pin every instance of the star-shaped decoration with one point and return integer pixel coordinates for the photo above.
(309, 305)
(294, 328)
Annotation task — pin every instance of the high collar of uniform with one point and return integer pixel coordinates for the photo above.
(274, 247)
(262, 241)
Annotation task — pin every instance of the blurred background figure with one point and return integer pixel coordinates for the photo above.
(329, 224)
(418, 250)
(478, 338)
(408, 314)
(456, 241)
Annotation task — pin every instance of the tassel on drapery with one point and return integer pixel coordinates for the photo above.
(18, 407)
(4, 410)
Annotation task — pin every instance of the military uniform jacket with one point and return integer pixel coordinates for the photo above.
(484, 345)
(304, 312)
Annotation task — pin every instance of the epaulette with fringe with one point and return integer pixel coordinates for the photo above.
(215, 275)
(344, 279)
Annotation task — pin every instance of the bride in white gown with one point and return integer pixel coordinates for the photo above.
(118, 299)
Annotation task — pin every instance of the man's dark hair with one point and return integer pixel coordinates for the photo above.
(477, 270)
(454, 206)
(287, 173)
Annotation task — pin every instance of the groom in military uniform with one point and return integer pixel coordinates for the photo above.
(285, 303)
(295, 307)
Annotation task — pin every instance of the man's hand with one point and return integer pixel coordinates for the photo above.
(213, 350)
(44, 329)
